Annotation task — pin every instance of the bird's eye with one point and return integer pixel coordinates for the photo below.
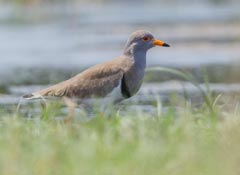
(146, 38)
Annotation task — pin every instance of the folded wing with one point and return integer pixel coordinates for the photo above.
(97, 81)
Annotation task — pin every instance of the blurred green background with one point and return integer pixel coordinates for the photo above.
(167, 128)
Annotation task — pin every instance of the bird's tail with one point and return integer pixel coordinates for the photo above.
(32, 96)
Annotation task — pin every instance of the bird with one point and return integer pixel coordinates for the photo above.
(118, 79)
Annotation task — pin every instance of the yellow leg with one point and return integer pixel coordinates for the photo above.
(102, 114)
(71, 109)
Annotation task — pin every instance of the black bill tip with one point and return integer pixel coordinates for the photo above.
(165, 45)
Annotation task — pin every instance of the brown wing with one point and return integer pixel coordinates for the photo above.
(99, 81)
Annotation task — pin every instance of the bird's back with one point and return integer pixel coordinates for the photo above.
(97, 81)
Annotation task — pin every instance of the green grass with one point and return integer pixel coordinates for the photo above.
(176, 142)
(180, 140)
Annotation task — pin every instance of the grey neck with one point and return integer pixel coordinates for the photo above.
(138, 56)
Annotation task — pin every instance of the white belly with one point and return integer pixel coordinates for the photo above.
(114, 96)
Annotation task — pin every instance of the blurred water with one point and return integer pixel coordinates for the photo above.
(59, 36)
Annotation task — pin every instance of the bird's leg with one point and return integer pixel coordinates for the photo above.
(102, 115)
(43, 104)
(107, 110)
(18, 108)
(119, 110)
(71, 109)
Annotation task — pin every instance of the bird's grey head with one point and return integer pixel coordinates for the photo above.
(140, 41)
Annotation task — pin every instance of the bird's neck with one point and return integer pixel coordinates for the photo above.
(140, 60)
(138, 57)
(135, 72)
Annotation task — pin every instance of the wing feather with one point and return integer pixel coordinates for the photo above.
(97, 81)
